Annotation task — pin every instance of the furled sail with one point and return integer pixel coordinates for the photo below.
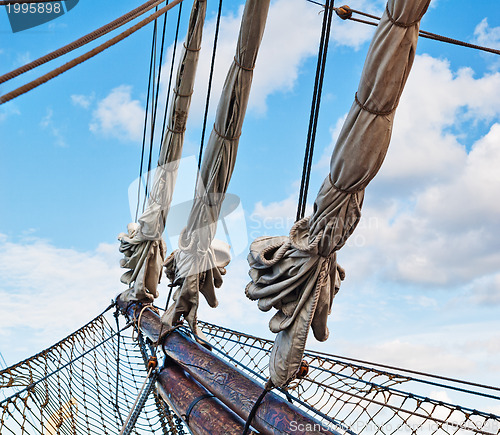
(299, 275)
(196, 266)
(143, 246)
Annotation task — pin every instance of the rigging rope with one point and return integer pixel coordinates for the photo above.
(151, 72)
(170, 77)
(315, 105)
(54, 73)
(209, 89)
(124, 19)
(422, 33)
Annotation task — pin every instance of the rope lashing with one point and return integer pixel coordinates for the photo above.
(268, 387)
(193, 404)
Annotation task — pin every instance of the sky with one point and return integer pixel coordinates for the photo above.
(422, 289)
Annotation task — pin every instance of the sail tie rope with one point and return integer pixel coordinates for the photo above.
(191, 49)
(243, 67)
(229, 138)
(373, 112)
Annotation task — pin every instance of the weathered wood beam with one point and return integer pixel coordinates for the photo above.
(205, 415)
(231, 386)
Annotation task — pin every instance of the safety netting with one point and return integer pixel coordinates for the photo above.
(359, 397)
(85, 384)
(89, 382)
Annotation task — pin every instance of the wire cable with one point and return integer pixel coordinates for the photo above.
(209, 89)
(170, 77)
(422, 33)
(315, 105)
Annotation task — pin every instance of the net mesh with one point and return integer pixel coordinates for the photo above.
(85, 384)
(355, 397)
(88, 382)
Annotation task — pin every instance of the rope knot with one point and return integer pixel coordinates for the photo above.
(153, 362)
(344, 12)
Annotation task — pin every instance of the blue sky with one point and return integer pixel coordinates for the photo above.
(423, 268)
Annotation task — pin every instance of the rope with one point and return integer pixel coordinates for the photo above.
(151, 69)
(124, 19)
(49, 76)
(269, 386)
(422, 33)
(209, 89)
(139, 403)
(194, 403)
(154, 104)
(313, 119)
(170, 77)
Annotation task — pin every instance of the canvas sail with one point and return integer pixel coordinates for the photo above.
(143, 246)
(298, 275)
(197, 266)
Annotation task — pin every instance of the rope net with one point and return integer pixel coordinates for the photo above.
(84, 384)
(362, 398)
(87, 384)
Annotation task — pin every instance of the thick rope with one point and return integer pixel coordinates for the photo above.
(124, 19)
(422, 33)
(313, 119)
(269, 386)
(80, 59)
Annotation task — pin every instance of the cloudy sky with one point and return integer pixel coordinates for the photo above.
(423, 267)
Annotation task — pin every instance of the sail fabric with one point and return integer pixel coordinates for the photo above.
(143, 247)
(195, 267)
(298, 275)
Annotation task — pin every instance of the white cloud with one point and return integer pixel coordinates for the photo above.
(118, 115)
(431, 211)
(7, 110)
(486, 35)
(83, 101)
(283, 50)
(354, 35)
(47, 123)
(48, 292)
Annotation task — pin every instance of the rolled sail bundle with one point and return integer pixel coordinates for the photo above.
(143, 246)
(196, 266)
(298, 275)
